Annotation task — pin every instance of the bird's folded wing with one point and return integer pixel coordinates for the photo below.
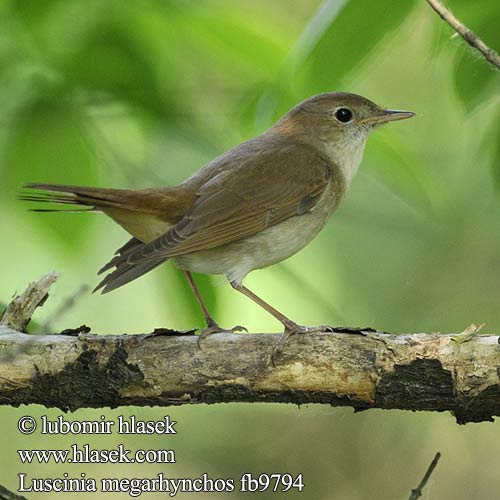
(261, 191)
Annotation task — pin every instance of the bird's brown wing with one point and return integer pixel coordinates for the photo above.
(260, 191)
(238, 202)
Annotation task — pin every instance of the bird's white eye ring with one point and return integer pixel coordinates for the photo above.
(343, 115)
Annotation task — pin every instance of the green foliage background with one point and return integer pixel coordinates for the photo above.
(136, 94)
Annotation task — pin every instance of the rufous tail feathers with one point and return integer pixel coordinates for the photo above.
(143, 213)
(90, 197)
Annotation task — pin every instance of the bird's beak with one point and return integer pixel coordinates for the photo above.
(388, 115)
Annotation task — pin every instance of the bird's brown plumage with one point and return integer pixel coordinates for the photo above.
(237, 195)
(251, 192)
(297, 170)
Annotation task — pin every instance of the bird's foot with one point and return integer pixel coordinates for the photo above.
(213, 327)
(292, 328)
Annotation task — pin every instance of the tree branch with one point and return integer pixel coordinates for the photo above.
(18, 313)
(468, 35)
(432, 372)
(6, 494)
(417, 492)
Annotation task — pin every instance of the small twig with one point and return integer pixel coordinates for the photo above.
(18, 313)
(6, 494)
(417, 492)
(469, 36)
(68, 304)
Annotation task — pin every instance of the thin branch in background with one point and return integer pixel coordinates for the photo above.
(6, 494)
(68, 304)
(417, 492)
(315, 28)
(469, 36)
(312, 292)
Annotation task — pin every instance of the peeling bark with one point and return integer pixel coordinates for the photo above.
(361, 369)
(18, 313)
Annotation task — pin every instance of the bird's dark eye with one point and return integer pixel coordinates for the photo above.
(343, 115)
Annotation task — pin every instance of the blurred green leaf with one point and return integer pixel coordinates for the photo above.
(337, 38)
(228, 39)
(111, 64)
(399, 170)
(33, 13)
(495, 164)
(218, 50)
(47, 142)
(100, 53)
(261, 108)
(351, 36)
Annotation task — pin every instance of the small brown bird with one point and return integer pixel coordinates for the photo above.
(251, 207)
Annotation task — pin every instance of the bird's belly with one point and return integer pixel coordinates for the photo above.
(269, 246)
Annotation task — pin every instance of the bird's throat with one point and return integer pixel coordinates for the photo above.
(348, 159)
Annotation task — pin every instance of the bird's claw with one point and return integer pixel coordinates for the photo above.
(215, 328)
(237, 328)
(292, 328)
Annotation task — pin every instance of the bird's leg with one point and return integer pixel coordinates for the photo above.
(212, 326)
(210, 321)
(291, 328)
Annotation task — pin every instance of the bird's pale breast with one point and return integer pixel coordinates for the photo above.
(269, 246)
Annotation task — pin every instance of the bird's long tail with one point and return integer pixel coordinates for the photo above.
(111, 201)
(87, 198)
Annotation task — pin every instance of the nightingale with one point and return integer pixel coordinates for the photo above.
(253, 206)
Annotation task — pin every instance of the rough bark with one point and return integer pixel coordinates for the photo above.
(18, 313)
(362, 369)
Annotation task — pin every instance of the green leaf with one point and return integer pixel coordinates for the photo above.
(224, 37)
(110, 63)
(352, 34)
(338, 37)
(33, 13)
(102, 53)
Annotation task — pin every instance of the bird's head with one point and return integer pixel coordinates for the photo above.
(337, 123)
